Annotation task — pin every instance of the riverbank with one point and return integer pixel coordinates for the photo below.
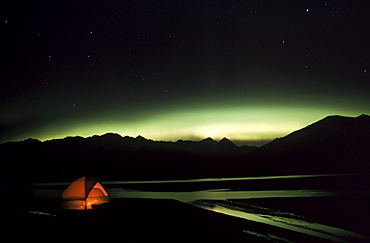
(135, 220)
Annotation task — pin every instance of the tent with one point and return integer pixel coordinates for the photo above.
(83, 193)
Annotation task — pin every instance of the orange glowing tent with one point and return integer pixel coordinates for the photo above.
(83, 193)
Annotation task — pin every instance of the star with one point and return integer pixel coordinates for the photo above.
(230, 57)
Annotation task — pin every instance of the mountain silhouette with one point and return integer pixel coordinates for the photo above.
(334, 144)
(227, 143)
(113, 156)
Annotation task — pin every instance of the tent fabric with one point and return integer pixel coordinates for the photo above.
(83, 193)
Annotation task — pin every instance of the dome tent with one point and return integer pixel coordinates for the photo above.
(83, 193)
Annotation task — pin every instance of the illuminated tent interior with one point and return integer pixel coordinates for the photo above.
(83, 193)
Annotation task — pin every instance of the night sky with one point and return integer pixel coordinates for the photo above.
(250, 71)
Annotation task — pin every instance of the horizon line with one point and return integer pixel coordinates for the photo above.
(237, 142)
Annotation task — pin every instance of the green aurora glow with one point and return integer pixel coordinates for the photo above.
(251, 124)
(250, 71)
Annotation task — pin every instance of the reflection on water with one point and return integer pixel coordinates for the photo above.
(40, 213)
(217, 195)
(216, 200)
(297, 225)
(212, 179)
(198, 195)
(269, 237)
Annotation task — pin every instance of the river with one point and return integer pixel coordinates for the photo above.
(234, 197)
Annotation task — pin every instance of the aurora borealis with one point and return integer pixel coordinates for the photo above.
(250, 71)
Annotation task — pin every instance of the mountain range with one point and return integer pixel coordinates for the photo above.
(335, 144)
